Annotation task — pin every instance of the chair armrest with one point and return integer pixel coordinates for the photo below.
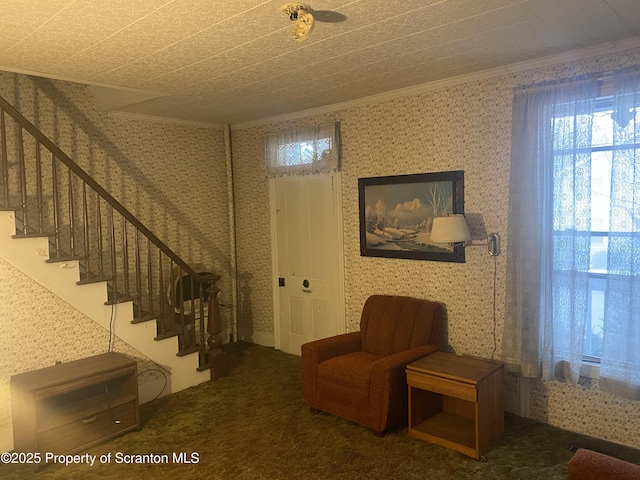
(320, 350)
(398, 361)
(317, 352)
(388, 391)
(588, 465)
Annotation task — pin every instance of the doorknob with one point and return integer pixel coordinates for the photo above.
(305, 283)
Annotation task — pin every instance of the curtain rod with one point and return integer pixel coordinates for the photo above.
(603, 78)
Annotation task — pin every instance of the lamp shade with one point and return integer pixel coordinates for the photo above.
(303, 26)
(450, 229)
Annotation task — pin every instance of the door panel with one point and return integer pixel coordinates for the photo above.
(308, 251)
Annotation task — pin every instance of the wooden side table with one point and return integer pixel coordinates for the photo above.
(456, 401)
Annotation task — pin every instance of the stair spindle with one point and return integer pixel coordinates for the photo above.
(99, 238)
(56, 205)
(114, 270)
(161, 281)
(72, 233)
(181, 297)
(5, 161)
(192, 301)
(23, 183)
(201, 326)
(39, 189)
(150, 280)
(138, 272)
(85, 230)
(125, 257)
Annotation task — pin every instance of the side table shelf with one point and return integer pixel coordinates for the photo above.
(456, 402)
(72, 406)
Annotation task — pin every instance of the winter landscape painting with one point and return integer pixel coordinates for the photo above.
(396, 214)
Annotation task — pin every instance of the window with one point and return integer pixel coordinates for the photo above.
(599, 161)
(573, 256)
(303, 151)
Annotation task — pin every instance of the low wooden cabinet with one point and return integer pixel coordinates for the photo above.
(456, 401)
(71, 406)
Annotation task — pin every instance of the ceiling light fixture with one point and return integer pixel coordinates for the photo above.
(304, 21)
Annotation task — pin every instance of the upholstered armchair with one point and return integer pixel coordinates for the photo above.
(360, 376)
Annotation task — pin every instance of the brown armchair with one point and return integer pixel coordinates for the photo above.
(360, 376)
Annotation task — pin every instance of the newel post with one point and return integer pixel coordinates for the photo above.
(216, 358)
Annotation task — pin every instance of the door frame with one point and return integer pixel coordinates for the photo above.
(337, 191)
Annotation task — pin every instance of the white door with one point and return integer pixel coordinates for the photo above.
(308, 269)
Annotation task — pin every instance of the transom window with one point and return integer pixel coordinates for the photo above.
(304, 151)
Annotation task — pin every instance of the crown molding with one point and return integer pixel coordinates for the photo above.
(448, 82)
(377, 98)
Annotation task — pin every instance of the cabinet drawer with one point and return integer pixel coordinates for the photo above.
(443, 386)
(86, 431)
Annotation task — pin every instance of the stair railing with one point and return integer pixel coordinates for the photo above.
(91, 226)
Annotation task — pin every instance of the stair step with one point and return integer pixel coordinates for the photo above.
(146, 317)
(164, 335)
(69, 258)
(121, 298)
(189, 350)
(32, 235)
(8, 209)
(88, 279)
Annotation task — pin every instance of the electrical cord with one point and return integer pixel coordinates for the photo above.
(111, 320)
(495, 321)
(165, 380)
(110, 348)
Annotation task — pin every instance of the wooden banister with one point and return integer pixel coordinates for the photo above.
(80, 173)
(81, 224)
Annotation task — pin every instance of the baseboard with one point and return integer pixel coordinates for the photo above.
(261, 338)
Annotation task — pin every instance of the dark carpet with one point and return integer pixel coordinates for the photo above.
(253, 424)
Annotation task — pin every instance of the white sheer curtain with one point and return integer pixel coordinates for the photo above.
(549, 237)
(620, 363)
(304, 151)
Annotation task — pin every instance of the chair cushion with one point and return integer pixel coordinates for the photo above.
(352, 369)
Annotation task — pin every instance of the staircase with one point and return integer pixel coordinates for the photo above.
(61, 228)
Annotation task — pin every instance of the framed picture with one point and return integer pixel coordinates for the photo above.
(396, 214)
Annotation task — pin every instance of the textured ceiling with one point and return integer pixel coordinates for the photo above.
(233, 61)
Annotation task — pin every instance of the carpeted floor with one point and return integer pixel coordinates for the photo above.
(254, 424)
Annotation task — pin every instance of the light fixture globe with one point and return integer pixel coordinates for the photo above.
(304, 21)
(291, 9)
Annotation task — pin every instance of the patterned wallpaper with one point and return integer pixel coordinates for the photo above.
(38, 329)
(461, 127)
(173, 178)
